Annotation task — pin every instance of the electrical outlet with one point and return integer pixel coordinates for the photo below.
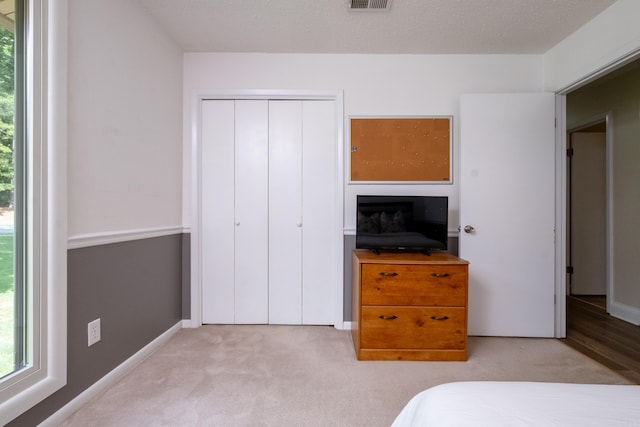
(93, 329)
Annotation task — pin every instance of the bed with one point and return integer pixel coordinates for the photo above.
(495, 403)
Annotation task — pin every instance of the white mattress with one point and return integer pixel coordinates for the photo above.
(486, 403)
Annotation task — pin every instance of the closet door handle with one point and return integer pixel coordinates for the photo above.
(383, 317)
(439, 317)
(440, 274)
(385, 274)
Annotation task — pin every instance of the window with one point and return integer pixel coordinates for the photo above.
(32, 192)
(11, 340)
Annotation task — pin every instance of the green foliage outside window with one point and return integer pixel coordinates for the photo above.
(7, 299)
(6, 117)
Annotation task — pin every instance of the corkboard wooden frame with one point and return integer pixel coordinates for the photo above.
(401, 149)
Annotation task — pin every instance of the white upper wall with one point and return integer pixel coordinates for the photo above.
(608, 38)
(373, 85)
(125, 121)
(124, 154)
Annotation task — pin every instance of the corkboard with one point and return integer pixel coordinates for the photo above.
(401, 149)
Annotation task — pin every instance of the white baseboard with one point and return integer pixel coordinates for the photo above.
(625, 312)
(108, 380)
(189, 323)
(346, 325)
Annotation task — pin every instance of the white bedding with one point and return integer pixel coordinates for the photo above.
(486, 403)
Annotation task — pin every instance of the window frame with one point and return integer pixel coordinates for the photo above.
(45, 53)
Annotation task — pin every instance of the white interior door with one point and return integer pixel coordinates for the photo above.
(507, 196)
(285, 212)
(217, 211)
(588, 214)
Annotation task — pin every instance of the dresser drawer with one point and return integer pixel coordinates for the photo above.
(413, 328)
(409, 284)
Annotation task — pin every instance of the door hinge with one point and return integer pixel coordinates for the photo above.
(569, 152)
(569, 269)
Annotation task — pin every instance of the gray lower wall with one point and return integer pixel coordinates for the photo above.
(349, 246)
(139, 289)
(135, 288)
(186, 276)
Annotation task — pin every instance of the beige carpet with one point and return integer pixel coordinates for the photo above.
(307, 376)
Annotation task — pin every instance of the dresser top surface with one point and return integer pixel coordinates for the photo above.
(399, 257)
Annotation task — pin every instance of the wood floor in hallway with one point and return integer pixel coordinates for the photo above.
(606, 339)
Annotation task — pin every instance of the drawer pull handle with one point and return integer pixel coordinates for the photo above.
(440, 274)
(439, 317)
(383, 317)
(385, 274)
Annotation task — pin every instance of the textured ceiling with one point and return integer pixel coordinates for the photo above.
(410, 26)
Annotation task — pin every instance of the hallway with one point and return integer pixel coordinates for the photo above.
(610, 341)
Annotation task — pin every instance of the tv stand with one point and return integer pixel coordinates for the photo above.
(409, 306)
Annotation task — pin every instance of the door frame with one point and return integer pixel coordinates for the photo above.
(561, 182)
(562, 218)
(607, 118)
(200, 95)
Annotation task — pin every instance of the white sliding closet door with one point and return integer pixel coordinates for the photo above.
(302, 185)
(285, 212)
(268, 209)
(234, 211)
(319, 205)
(251, 211)
(218, 212)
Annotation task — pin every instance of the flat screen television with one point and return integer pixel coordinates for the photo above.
(418, 223)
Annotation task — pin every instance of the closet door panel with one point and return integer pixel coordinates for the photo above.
(319, 178)
(285, 215)
(251, 211)
(217, 204)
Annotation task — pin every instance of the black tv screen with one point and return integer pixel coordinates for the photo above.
(402, 223)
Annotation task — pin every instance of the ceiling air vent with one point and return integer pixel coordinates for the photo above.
(370, 4)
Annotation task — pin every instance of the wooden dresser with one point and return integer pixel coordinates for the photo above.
(409, 306)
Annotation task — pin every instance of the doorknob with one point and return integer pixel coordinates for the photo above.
(469, 229)
(237, 222)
